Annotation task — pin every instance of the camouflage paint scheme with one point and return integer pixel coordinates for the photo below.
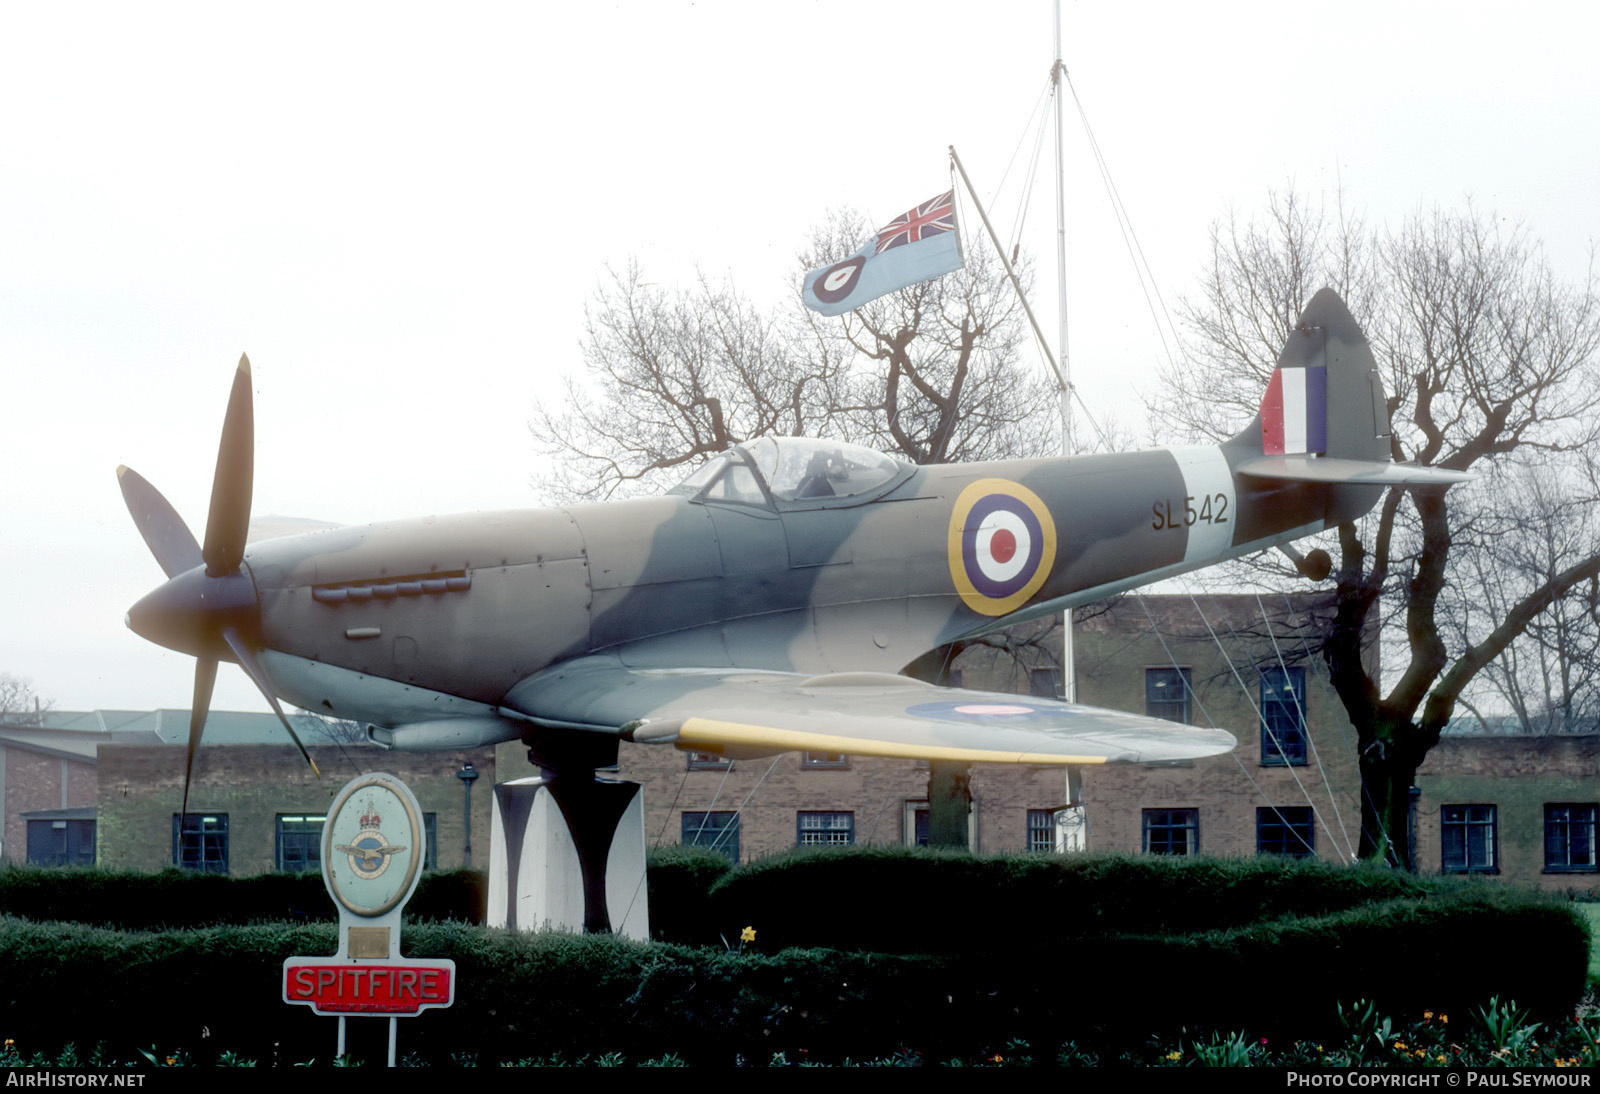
(761, 625)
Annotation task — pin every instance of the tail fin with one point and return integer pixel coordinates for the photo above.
(1324, 417)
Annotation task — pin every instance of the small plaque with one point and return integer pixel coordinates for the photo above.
(368, 942)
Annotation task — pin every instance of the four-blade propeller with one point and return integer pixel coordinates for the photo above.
(208, 606)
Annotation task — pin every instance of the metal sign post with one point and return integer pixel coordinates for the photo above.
(373, 847)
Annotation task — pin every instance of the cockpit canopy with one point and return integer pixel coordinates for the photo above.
(794, 472)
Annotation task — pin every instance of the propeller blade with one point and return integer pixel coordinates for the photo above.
(228, 523)
(253, 669)
(205, 678)
(164, 532)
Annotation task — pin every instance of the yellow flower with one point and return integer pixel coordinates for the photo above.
(1401, 1045)
(1174, 1055)
(747, 935)
(172, 1061)
(1445, 1018)
(1427, 1014)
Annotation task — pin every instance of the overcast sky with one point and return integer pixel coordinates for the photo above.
(399, 214)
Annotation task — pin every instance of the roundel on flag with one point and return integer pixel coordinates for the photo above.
(839, 280)
(1002, 545)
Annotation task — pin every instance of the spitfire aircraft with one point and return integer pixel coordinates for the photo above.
(768, 602)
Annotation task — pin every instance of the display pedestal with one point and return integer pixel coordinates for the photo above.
(567, 854)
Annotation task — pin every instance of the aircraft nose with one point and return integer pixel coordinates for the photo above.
(189, 612)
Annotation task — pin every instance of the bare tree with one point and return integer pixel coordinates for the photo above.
(1539, 520)
(19, 703)
(671, 378)
(932, 373)
(1487, 355)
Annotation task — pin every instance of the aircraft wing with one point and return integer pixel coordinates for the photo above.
(743, 713)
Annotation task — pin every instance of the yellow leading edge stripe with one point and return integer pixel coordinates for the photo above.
(709, 735)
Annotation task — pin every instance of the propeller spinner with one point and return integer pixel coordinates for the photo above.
(208, 606)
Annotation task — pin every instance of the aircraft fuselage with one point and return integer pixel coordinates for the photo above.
(444, 615)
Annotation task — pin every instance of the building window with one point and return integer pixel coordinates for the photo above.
(59, 841)
(718, 831)
(1283, 721)
(1166, 694)
(708, 761)
(834, 760)
(1042, 683)
(1569, 839)
(914, 822)
(1469, 838)
(200, 842)
(1286, 830)
(825, 829)
(1042, 830)
(1172, 831)
(299, 843)
(430, 828)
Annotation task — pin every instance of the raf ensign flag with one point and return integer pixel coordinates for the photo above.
(916, 246)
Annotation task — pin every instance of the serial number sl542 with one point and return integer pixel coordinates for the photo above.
(1205, 509)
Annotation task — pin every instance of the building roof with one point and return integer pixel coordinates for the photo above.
(68, 744)
(82, 812)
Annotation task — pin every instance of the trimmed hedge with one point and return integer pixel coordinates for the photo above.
(1077, 896)
(1033, 948)
(174, 898)
(680, 881)
(526, 994)
(221, 988)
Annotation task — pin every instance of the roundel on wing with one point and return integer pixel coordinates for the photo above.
(983, 712)
(839, 280)
(1002, 545)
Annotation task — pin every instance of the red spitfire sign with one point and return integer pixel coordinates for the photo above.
(393, 988)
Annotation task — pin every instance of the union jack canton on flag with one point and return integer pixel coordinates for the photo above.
(918, 245)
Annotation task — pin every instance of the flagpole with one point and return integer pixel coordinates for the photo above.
(1069, 666)
(1069, 675)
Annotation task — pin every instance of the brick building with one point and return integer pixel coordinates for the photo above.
(48, 785)
(107, 787)
(1518, 807)
(255, 807)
